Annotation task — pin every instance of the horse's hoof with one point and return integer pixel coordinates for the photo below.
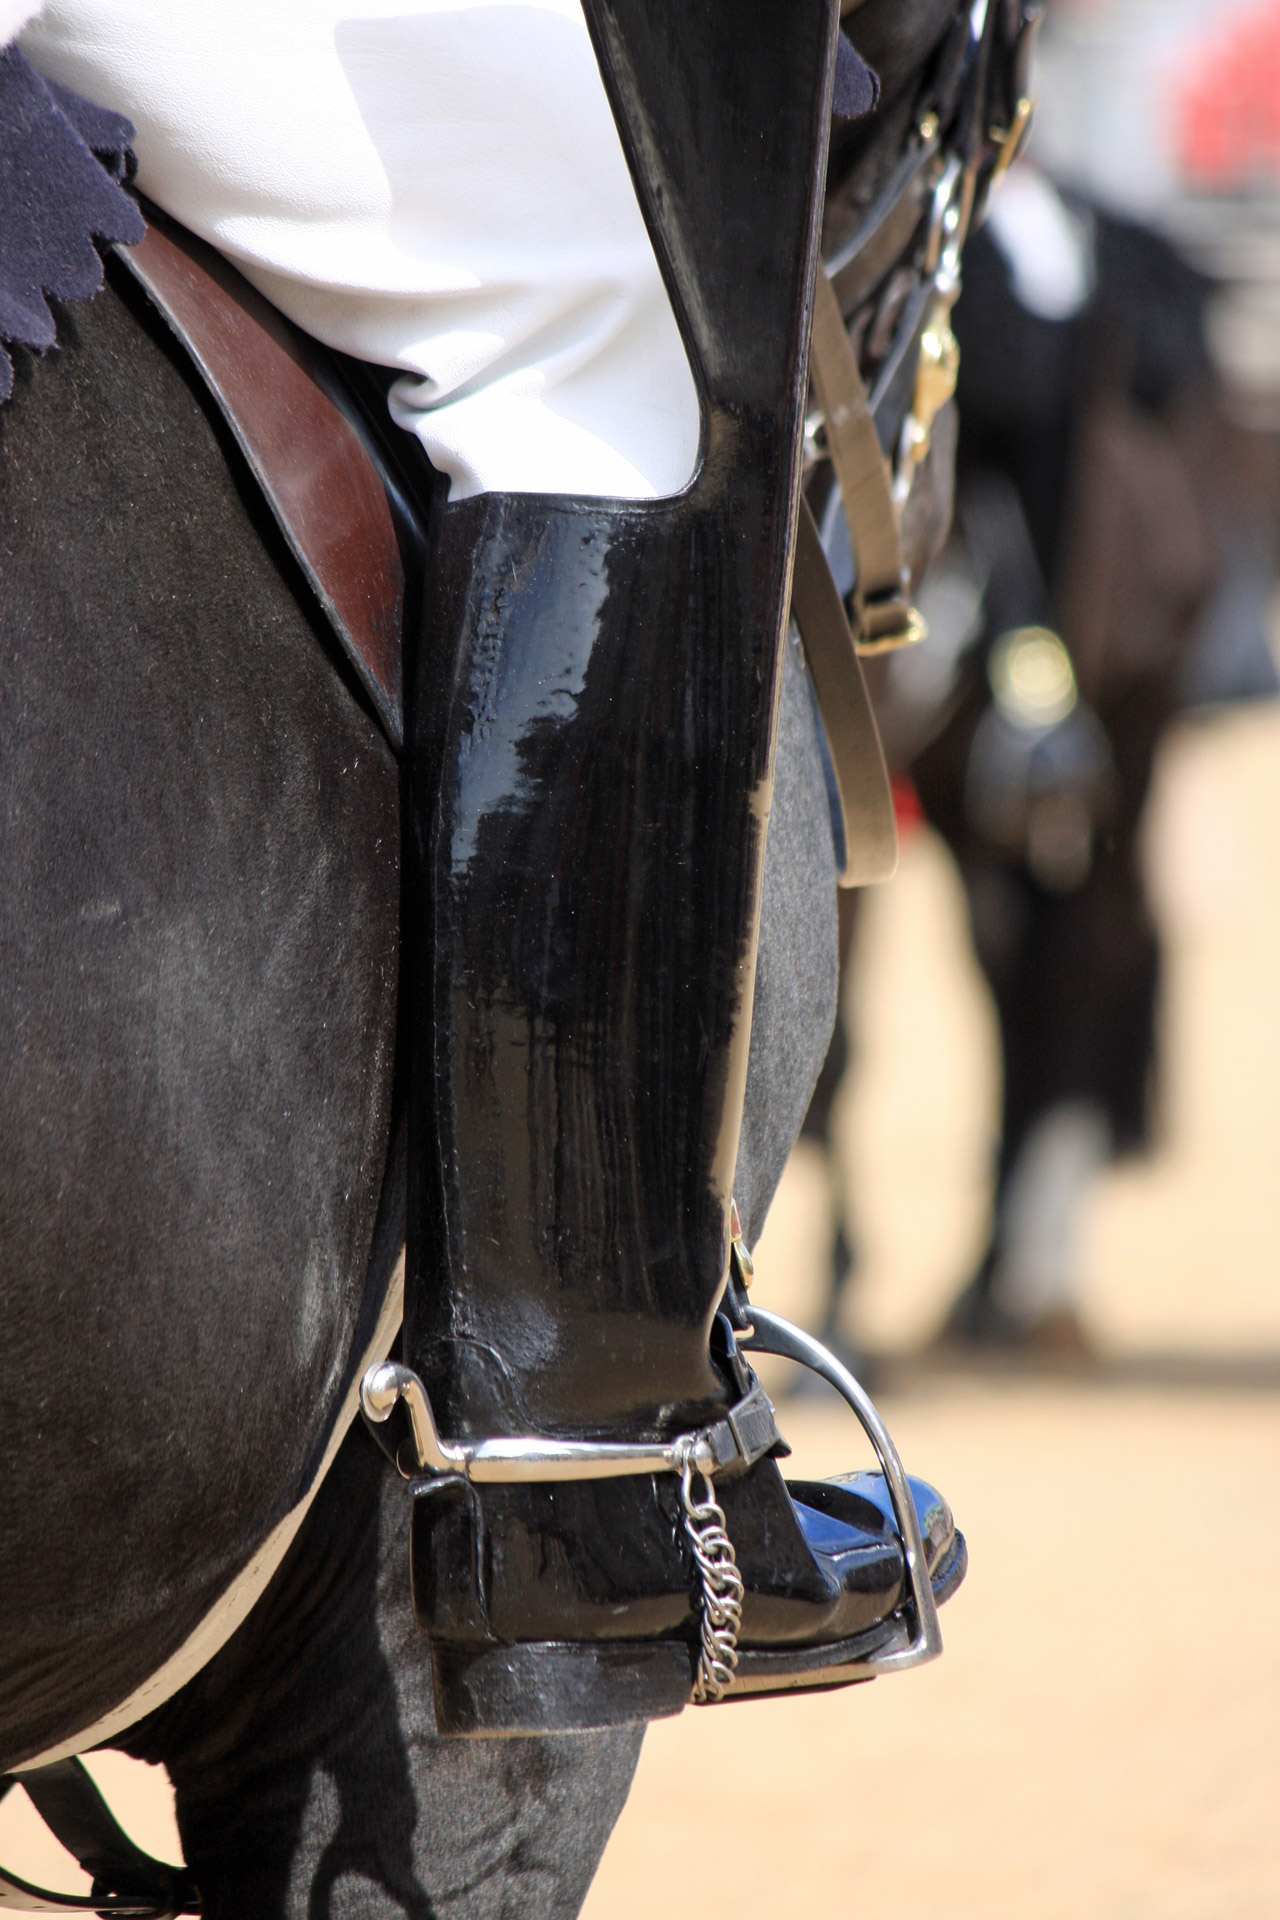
(979, 1327)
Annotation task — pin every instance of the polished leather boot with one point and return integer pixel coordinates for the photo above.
(593, 720)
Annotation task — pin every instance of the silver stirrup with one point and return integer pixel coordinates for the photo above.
(770, 1333)
(746, 1434)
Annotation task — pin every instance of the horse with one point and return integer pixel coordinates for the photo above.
(202, 1201)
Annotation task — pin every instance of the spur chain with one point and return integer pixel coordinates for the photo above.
(720, 1583)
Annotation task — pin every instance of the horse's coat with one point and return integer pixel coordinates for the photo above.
(310, 1781)
(198, 961)
(166, 1540)
(198, 965)
(233, 1606)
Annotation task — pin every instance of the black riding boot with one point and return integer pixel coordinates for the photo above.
(591, 764)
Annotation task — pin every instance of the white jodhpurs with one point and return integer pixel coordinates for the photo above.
(434, 185)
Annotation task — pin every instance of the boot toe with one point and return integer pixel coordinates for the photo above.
(848, 1522)
(863, 1500)
(849, 1531)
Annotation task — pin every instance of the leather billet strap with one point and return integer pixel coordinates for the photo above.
(880, 591)
(880, 239)
(866, 798)
(922, 211)
(861, 431)
(918, 220)
(317, 473)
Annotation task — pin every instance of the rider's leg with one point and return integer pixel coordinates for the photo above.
(592, 758)
(305, 1756)
(438, 189)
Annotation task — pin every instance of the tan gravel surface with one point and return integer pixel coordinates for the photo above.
(1100, 1738)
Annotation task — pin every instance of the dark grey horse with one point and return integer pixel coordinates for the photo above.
(176, 719)
(201, 1172)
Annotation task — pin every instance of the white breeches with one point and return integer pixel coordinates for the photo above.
(434, 185)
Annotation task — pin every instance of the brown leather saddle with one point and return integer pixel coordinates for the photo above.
(338, 503)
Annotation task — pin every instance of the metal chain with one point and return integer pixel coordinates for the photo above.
(720, 1612)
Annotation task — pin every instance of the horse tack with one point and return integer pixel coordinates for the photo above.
(331, 496)
(126, 1880)
(314, 467)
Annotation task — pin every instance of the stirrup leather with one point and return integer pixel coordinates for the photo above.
(126, 1881)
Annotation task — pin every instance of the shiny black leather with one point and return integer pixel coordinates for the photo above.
(608, 1561)
(554, 1608)
(593, 724)
(593, 720)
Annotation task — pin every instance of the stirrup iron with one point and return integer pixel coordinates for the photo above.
(747, 1433)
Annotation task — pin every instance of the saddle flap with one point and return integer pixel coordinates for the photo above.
(316, 472)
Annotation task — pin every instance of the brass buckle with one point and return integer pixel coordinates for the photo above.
(889, 627)
(937, 369)
(744, 1267)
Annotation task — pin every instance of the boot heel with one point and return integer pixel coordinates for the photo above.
(553, 1686)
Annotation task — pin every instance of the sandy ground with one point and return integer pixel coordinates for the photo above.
(1102, 1738)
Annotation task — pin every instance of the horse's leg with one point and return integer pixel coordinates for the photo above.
(309, 1777)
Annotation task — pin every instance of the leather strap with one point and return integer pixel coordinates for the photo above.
(880, 240)
(879, 594)
(126, 1880)
(316, 471)
(866, 799)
